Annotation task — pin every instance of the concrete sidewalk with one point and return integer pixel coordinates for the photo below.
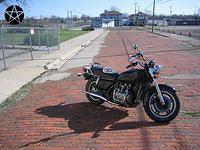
(189, 40)
(13, 79)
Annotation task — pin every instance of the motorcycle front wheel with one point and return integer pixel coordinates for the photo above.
(162, 113)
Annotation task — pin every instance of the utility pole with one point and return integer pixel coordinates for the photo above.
(135, 13)
(170, 10)
(67, 14)
(138, 8)
(195, 10)
(135, 8)
(154, 3)
(199, 11)
(71, 14)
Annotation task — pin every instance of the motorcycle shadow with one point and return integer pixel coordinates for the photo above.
(85, 117)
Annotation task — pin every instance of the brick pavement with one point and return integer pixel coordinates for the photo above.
(54, 115)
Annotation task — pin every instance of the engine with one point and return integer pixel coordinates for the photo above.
(123, 94)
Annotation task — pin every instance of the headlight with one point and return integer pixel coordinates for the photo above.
(157, 69)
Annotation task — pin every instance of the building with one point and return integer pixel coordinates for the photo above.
(112, 18)
(138, 19)
(157, 22)
(96, 22)
(108, 23)
(182, 22)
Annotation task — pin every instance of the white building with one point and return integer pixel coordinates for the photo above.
(108, 23)
(112, 18)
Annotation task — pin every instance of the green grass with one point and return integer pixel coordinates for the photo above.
(10, 38)
(22, 92)
(192, 114)
(23, 38)
(69, 34)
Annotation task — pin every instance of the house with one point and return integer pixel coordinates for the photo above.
(96, 22)
(112, 18)
(138, 19)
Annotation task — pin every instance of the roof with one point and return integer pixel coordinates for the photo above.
(111, 13)
(137, 14)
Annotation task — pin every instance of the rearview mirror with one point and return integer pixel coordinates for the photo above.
(135, 46)
(141, 52)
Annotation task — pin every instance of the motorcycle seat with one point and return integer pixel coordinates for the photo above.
(104, 72)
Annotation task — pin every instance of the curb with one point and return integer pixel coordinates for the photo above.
(59, 62)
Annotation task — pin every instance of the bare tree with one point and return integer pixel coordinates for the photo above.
(8, 2)
(114, 8)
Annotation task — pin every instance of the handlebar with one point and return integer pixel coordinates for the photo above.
(132, 64)
(138, 55)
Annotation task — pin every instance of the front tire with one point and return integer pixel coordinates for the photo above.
(92, 87)
(156, 111)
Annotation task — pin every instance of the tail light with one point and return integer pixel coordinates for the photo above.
(84, 69)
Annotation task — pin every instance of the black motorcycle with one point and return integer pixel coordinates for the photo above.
(130, 88)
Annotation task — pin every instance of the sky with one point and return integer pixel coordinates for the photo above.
(37, 8)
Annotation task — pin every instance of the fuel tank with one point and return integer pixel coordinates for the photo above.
(136, 75)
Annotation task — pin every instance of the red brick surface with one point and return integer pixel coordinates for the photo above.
(55, 115)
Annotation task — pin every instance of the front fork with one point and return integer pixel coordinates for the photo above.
(158, 91)
(155, 83)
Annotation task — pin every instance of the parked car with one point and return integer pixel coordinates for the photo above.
(88, 28)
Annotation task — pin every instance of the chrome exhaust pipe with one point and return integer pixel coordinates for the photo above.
(99, 96)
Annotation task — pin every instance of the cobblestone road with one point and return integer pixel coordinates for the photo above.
(54, 115)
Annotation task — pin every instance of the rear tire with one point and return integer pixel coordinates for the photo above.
(92, 87)
(159, 113)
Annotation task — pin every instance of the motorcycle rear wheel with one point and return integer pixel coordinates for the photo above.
(92, 87)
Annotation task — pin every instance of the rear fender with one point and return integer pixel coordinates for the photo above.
(87, 76)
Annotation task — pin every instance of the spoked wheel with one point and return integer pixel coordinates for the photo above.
(162, 113)
(92, 88)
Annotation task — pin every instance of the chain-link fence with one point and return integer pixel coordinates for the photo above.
(19, 44)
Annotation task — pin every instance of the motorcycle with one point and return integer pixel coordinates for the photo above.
(132, 87)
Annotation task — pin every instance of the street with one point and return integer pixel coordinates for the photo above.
(55, 114)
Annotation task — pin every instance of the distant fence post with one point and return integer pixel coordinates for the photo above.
(2, 47)
(47, 30)
(39, 41)
(31, 50)
(58, 34)
(189, 33)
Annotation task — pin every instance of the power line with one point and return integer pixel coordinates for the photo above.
(152, 4)
(157, 2)
(164, 1)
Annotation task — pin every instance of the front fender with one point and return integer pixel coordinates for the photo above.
(152, 89)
